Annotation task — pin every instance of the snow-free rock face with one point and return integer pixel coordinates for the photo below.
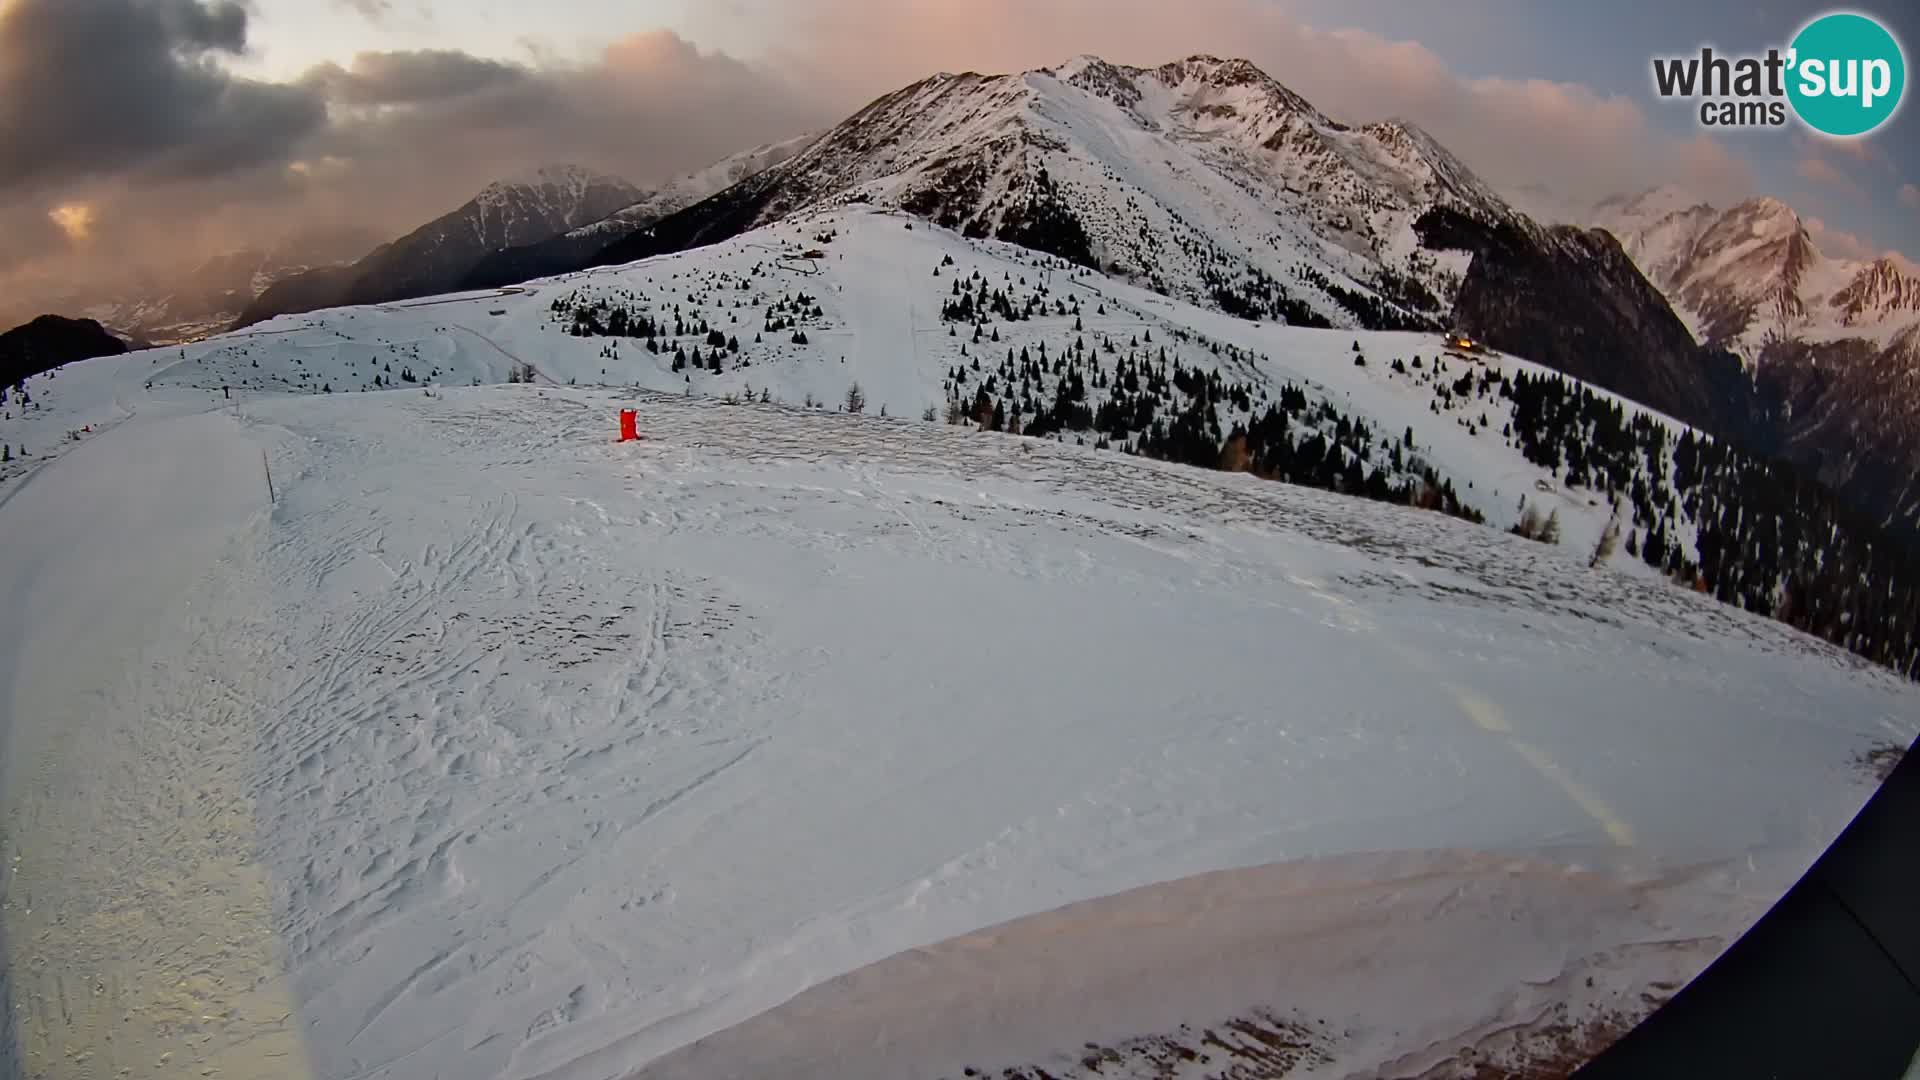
(1831, 343)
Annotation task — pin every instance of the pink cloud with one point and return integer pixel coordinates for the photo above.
(656, 103)
(411, 135)
(1565, 136)
(1910, 196)
(1837, 242)
(1857, 149)
(1820, 171)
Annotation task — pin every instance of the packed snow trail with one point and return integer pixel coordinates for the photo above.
(138, 930)
(598, 749)
(560, 755)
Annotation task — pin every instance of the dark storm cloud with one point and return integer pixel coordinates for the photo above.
(92, 88)
(175, 159)
(440, 125)
(408, 78)
(221, 24)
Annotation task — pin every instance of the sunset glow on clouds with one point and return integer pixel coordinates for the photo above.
(211, 124)
(74, 219)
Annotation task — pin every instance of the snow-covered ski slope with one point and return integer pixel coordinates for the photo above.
(874, 283)
(496, 748)
(567, 752)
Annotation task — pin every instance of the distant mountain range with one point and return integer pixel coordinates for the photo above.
(436, 257)
(558, 215)
(1207, 180)
(166, 305)
(1831, 346)
(1750, 275)
(510, 232)
(576, 247)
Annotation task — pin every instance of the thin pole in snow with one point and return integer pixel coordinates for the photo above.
(269, 469)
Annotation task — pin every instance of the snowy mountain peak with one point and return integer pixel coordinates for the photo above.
(1767, 219)
(437, 256)
(1232, 103)
(1201, 86)
(1881, 288)
(1233, 72)
(1831, 340)
(1744, 271)
(1447, 177)
(1745, 276)
(564, 180)
(1766, 207)
(1077, 66)
(1764, 221)
(1226, 76)
(1202, 176)
(1752, 275)
(1114, 82)
(689, 188)
(1229, 76)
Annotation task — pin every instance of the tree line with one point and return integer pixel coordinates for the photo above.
(1752, 532)
(1159, 407)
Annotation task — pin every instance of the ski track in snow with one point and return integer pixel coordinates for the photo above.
(578, 752)
(571, 753)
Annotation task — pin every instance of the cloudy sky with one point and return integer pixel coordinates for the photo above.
(143, 130)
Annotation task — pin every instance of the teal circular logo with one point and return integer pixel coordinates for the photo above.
(1846, 75)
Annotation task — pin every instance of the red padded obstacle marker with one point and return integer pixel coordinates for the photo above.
(629, 425)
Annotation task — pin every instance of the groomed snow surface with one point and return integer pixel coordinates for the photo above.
(800, 744)
(880, 298)
(569, 753)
